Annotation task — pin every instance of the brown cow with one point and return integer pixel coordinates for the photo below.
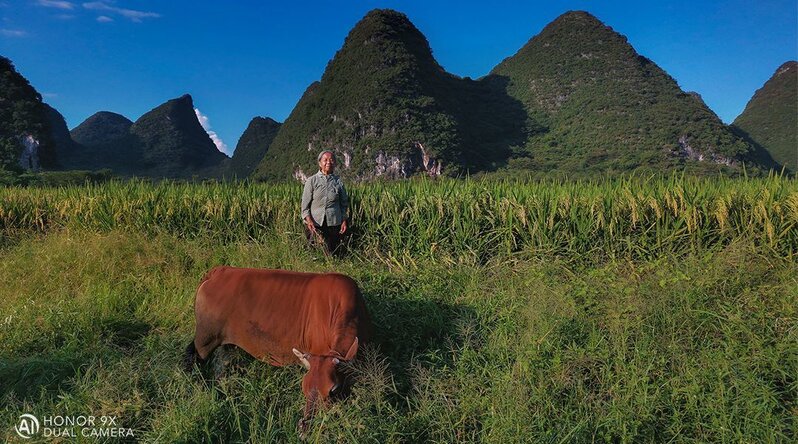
(273, 314)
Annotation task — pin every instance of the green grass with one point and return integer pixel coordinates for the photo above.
(662, 335)
(697, 348)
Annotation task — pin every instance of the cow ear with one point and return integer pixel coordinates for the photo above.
(302, 358)
(352, 351)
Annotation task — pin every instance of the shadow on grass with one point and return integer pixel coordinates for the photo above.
(405, 332)
(53, 370)
(410, 329)
(124, 332)
(27, 377)
(409, 332)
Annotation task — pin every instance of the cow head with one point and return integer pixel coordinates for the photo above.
(322, 378)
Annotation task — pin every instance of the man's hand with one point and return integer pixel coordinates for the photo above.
(311, 226)
(343, 227)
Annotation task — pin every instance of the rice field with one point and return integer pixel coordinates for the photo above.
(446, 219)
(630, 310)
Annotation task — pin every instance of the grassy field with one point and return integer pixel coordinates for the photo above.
(661, 310)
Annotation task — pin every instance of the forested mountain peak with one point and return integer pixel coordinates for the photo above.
(769, 120)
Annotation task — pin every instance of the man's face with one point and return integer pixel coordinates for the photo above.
(327, 163)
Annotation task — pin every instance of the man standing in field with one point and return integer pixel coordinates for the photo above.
(325, 205)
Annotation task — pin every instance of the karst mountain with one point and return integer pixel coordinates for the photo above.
(770, 117)
(576, 99)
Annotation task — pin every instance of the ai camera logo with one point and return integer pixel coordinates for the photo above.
(28, 426)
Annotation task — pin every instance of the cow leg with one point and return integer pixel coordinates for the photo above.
(198, 352)
(222, 360)
(206, 346)
(190, 358)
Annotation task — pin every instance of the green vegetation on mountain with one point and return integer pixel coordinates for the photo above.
(168, 141)
(173, 142)
(105, 141)
(65, 147)
(22, 113)
(606, 108)
(102, 128)
(387, 107)
(770, 119)
(376, 95)
(252, 145)
(576, 99)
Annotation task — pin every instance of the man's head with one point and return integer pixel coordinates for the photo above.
(327, 162)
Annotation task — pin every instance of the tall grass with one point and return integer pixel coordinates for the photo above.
(699, 348)
(454, 220)
(683, 330)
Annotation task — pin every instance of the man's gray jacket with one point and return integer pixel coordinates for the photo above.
(324, 199)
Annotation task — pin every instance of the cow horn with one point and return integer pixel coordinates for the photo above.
(352, 351)
(303, 358)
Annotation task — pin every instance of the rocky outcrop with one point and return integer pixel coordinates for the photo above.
(26, 140)
(686, 151)
(394, 167)
(29, 157)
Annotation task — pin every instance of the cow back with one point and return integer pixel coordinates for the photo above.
(270, 312)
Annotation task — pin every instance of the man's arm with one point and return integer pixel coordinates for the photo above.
(307, 197)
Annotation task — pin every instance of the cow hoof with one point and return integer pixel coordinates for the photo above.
(302, 428)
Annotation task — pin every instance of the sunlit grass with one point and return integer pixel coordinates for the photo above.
(700, 347)
(450, 220)
(627, 311)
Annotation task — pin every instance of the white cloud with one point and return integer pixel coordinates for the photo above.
(136, 16)
(58, 4)
(203, 119)
(13, 33)
(220, 145)
(131, 14)
(104, 19)
(206, 125)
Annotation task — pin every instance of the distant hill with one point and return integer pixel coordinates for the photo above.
(166, 142)
(576, 99)
(102, 128)
(65, 148)
(105, 141)
(603, 107)
(25, 138)
(770, 118)
(387, 108)
(173, 142)
(252, 145)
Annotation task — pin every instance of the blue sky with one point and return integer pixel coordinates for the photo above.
(242, 58)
